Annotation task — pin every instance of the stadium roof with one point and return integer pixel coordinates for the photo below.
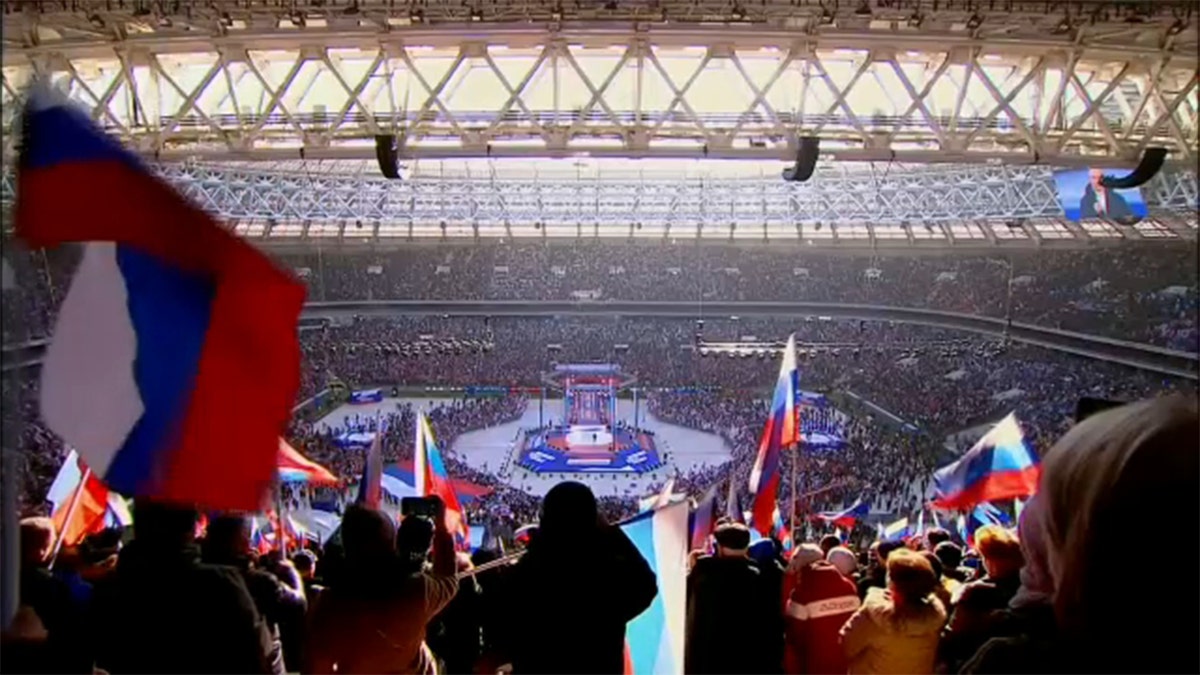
(1083, 83)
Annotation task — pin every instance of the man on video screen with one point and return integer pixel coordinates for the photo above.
(1101, 202)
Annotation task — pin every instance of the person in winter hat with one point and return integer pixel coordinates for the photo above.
(821, 602)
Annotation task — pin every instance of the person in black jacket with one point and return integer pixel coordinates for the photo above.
(575, 589)
(163, 611)
(49, 596)
(282, 605)
(456, 634)
(733, 612)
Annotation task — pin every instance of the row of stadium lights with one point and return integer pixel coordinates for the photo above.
(422, 348)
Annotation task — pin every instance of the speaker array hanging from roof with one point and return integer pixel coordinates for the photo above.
(806, 160)
(1152, 161)
(387, 151)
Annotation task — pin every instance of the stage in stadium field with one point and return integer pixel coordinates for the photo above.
(589, 437)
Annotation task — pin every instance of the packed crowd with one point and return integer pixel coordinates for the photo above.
(934, 380)
(1051, 596)
(1143, 293)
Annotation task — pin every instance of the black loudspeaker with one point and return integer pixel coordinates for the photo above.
(806, 160)
(1151, 162)
(387, 152)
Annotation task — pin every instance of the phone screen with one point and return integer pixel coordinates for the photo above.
(1089, 406)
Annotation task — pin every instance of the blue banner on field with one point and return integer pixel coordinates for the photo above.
(366, 396)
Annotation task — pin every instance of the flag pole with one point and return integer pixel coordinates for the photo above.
(280, 526)
(795, 485)
(75, 499)
(10, 463)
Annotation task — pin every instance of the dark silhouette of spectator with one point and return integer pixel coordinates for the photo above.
(574, 590)
(733, 613)
(62, 613)
(981, 602)
(164, 611)
(283, 606)
(1096, 483)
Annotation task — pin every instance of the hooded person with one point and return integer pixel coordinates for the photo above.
(574, 590)
(844, 560)
(802, 556)
(821, 600)
(896, 630)
(1096, 484)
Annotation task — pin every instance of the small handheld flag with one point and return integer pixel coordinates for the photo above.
(703, 520)
(370, 488)
(431, 478)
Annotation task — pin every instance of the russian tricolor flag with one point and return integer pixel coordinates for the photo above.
(1001, 465)
(175, 362)
(654, 639)
(296, 468)
(781, 431)
(846, 517)
(703, 520)
(429, 473)
(895, 530)
(370, 487)
(81, 504)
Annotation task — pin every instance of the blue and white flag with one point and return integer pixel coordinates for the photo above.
(366, 396)
(654, 639)
(895, 531)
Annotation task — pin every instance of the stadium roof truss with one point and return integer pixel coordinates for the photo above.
(217, 81)
(843, 204)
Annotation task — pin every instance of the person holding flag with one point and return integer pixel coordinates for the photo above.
(373, 618)
(781, 431)
(431, 479)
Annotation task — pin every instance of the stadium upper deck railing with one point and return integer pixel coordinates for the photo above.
(1137, 355)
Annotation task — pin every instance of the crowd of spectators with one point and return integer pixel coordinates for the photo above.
(1049, 596)
(1138, 292)
(898, 392)
(933, 383)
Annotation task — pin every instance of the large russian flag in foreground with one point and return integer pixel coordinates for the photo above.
(175, 362)
(781, 431)
(431, 479)
(1001, 465)
(654, 640)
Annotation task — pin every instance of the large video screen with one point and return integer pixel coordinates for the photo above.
(1083, 196)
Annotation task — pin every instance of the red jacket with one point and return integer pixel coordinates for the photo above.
(820, 605)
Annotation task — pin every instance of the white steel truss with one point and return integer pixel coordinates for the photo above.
(843, 203)
(1079, 96)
